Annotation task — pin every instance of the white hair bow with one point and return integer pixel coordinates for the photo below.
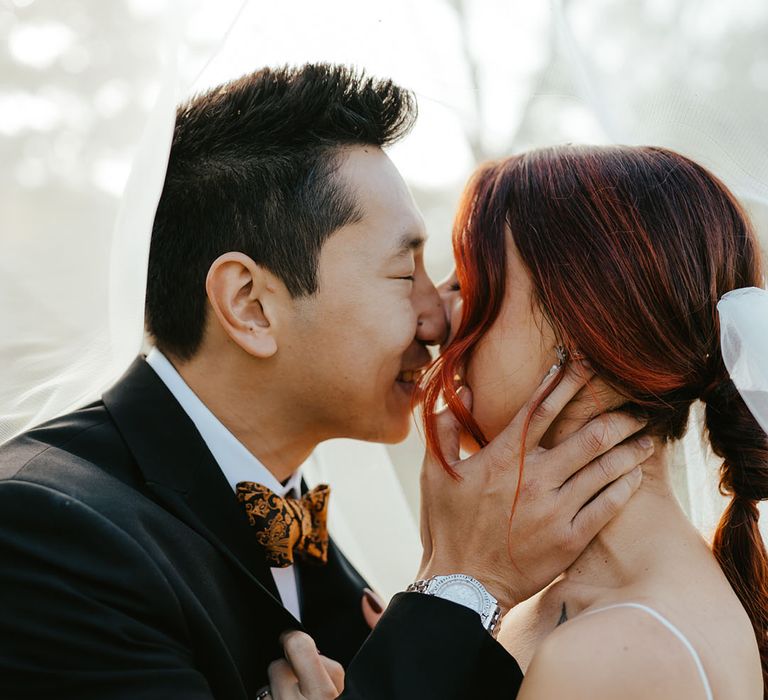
(744, 344)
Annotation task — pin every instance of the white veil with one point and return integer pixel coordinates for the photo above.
(89, 89)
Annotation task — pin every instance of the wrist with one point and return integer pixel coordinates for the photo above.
(499, 592)
(465, 591)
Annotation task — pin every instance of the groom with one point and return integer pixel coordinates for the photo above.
(154, 544)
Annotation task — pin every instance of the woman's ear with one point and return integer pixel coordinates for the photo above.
(243, 297)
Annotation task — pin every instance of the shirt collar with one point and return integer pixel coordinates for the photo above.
(236, 462)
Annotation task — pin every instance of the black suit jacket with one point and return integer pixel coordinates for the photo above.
(128, 570)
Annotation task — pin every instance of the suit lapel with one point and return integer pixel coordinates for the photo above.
(181, 472)
(331, 598)
(183, 476)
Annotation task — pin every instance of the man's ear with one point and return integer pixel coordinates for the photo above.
(244, 297)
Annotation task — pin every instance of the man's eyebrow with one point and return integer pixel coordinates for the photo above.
(409, 242)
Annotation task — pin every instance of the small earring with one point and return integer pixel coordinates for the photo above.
(562, 357)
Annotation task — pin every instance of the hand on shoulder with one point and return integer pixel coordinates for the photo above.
(613, 653)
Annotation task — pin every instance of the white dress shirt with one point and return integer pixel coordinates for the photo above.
(236, 462)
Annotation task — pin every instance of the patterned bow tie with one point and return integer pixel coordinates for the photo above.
(288, 526)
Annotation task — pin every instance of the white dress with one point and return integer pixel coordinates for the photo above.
(674, 630)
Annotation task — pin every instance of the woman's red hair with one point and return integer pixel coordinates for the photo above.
(629, 250)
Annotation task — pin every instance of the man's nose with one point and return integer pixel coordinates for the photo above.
(432, 327)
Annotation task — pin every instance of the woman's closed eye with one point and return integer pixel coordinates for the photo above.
(450, 285)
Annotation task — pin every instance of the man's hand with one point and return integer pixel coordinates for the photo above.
(568, 494)
(304, 674)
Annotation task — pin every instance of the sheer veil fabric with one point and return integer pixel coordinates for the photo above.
(88, 116)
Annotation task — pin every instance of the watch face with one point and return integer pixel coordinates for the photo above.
(462, 592)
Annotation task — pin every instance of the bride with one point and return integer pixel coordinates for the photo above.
(619, 255)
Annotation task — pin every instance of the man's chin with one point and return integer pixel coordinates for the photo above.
(393, 432)
(393, 429)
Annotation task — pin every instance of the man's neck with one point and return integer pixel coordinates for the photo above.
(253, 411)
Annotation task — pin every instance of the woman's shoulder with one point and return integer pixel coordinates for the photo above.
(620, 650)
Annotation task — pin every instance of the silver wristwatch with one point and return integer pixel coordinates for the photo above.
(466, 591)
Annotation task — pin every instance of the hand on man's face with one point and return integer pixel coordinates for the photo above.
(566, 496)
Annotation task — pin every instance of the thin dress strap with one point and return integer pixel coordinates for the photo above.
(663, 620)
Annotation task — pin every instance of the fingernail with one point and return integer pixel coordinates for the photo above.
(552, 371)
(637, 472)
(645, 442)
(373, 600)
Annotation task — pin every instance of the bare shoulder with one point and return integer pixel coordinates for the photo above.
(622, 652)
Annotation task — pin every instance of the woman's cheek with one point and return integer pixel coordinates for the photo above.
(482, 377)
(502, 377)
(457, 310)
(454, 308)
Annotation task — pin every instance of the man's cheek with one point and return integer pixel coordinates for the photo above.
(395, 334)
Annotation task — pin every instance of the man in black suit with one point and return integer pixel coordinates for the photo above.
(148, 542)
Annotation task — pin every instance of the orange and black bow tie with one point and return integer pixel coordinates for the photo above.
(288, 527)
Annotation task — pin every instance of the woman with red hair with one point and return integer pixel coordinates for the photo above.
(614, 259)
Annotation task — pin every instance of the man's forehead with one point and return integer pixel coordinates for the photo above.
(385, 201)
(377, 183)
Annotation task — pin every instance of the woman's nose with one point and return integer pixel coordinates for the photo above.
(432, 328)
(451, 300)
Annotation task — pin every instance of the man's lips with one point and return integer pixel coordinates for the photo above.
(414, 364)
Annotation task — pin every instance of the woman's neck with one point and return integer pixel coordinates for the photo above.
(651, 529)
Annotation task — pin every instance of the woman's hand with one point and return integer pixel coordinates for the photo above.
(304, 673)
(568, 494)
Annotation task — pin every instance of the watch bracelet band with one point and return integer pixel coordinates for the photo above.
(492, 628)
(418, 586)
(495, 622)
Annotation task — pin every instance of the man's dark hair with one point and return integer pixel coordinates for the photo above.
(253, 168)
